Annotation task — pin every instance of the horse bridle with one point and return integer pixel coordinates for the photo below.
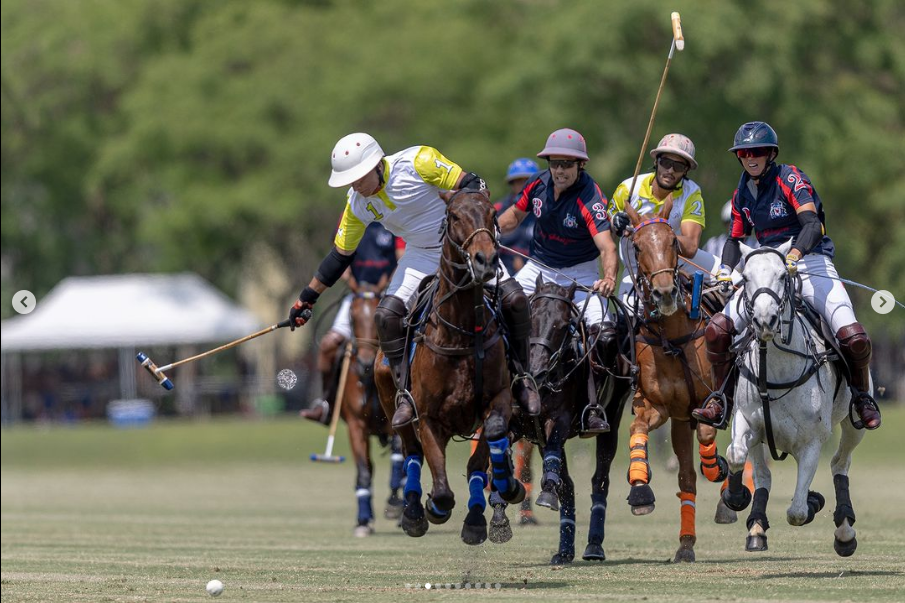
(557, 353)
(470, 279)
(781, 300)
(646, 280)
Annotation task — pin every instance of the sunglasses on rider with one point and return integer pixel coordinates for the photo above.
(562, 163)
(755, 152)
(676, 166)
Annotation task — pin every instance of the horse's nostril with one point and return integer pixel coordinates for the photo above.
(494, 258)
(656, 294)
(480, 259)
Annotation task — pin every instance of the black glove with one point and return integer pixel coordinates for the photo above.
(473, 182)
(300, 312)
(621, 222)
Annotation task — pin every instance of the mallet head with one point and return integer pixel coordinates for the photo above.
(155, 372)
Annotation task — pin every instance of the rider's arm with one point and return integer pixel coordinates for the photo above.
(811, 230)
(732, 252)
(510, 219)
(690, 238)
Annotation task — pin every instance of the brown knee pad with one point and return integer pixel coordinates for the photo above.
(718, 335)
(855, 345)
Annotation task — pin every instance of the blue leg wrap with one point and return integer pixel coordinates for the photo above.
(499, 462)
(598, 519)
(413, 474)
(552, 467)
(365, 511)
(476, 484)
(567, 523)
(397, 475)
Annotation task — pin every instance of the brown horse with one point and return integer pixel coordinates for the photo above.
(459, 375)
(674, 374)
(362, 411)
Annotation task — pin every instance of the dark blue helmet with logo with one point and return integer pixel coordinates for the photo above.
(755, 134)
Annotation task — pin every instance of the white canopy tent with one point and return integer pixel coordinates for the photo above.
(123, 312)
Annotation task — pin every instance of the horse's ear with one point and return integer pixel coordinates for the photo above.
(632, 214)
(785, 247)
(745, 249)
(570, 292)
(667, 207)
(539, 282)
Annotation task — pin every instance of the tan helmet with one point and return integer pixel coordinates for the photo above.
(566, 142)
(354, 156)
(677, 144)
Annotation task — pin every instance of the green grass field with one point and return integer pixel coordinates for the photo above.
(92, 513)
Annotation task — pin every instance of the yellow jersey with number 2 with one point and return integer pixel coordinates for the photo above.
(687, 202)
(408, 205)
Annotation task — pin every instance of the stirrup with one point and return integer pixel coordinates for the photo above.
(584, 423)
(530, 379)
(865, 400)
(724, 418)
(403, 396)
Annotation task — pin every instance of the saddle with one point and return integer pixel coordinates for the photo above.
(825, 332)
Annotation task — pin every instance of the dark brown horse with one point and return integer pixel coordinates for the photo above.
(362, 411)
(459, 376)
(674, 374)
(562, 369)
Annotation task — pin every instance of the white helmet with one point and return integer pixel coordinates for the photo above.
(354, 156)
(677, 144)
(726, 213)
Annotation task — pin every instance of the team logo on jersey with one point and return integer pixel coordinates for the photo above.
(570, 221)
(384, 239)
(778, 209)
(538, 204)
(340, 231)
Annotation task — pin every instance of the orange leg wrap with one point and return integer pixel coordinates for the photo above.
(688, 509)
(709, 466)
(638, 469)
(748, 476)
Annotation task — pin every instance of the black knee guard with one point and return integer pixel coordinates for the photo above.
(390, 318)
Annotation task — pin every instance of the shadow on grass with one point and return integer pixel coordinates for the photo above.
(824, 575)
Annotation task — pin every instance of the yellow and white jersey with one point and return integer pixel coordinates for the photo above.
(408, 205)
(687, 202)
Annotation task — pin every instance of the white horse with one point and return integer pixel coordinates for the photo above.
(789, 397)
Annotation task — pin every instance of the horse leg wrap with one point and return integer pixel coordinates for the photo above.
(567, 525)
(639, 469)
(759, 509)
(844, 509)
(477, 481)
(688, 513)
(737, 497)
(552, 469)
(815, 504)
(713, 466)
(365, 511)
(397, 475)
(598, 519)
(413, 475)
(523, 472)
(501, 464)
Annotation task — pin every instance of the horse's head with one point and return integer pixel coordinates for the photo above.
(470, 241)
(657, 255)
(551, 314)
(765, 280)
(364, 328)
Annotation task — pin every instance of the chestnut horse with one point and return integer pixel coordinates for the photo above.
(674, 374)
(459, 375)
(362, 411)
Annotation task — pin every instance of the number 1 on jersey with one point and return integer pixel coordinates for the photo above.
(370, 207)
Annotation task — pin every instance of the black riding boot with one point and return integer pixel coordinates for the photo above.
(604, 359)
(390, 319)
(518, 323)
(718, 405)
(856, 347)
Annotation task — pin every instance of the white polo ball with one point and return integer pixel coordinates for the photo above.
(214, 588)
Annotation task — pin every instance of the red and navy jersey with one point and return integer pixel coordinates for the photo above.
(772, 216)
(375, 255)
(563, 229)
(520, 238)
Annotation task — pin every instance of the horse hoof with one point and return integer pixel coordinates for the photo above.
(641, 498)
(515, 497)
(394, 507)
(684, 556)
(436, 518)
(737, 502)
(724, 515)
(500, 531)
(816, 502)
(413, 522)
(756, 543)
(562, 558)
(548, 500)
(845, 549)
(474, 530)
(363, 531)
(594, 552)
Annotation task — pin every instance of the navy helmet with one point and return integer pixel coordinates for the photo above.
(755, 134)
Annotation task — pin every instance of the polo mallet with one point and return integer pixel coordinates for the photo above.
(158, 372)
(678, 42)
(327, 456)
